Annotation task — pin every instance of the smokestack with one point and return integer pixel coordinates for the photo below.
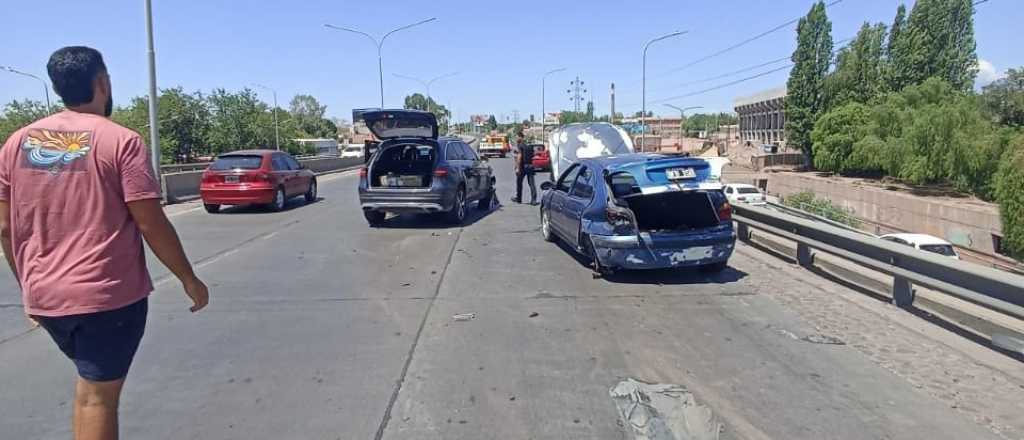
(613, 104)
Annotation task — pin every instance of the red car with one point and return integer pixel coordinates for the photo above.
(255, 177)
(541, 158)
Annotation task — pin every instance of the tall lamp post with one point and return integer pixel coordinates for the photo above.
(543, 111)
(643, 112)
(277, 132)
(154, 126)
(380, 46)
(46, 86)
(682, 114)
(426, 84)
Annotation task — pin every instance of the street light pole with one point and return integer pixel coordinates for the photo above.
(428, 83)
(154, 127)
(682, 115)
(543, 111)
(277, 132)
(380, 47)
(46, 86)
(643, 111)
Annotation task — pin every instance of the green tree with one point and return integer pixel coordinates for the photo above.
(834, 136)
(1004, 98)
(938, 40)
(18, 114)
(1009, 192)
(805, 100)
(235, 122)
(183, 118)
(492, 123)
(895, 59)
(310, 118)
(417, 101)
(860, 73)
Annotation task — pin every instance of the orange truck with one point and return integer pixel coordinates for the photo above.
(494, 145)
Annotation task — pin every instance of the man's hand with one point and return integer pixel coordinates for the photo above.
(32, 321)
(196, 290)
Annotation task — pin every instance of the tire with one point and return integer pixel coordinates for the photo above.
(374, 218)
(458, 213)
(484, 203)
(545, 227)
(212, 208)
(714, 267)
(311, 192)
(280, 200)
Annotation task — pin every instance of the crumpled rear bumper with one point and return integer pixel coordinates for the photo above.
(646, 252)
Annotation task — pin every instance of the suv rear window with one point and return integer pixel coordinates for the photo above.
(244, 162)
(941, 249)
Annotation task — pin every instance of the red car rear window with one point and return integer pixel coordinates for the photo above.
(236, 162)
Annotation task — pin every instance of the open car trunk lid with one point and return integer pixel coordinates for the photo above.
(394, 124)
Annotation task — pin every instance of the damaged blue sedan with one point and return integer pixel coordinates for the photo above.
(640, 211)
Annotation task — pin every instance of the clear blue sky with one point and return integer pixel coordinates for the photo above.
(500, 48)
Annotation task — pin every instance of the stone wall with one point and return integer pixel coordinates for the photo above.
(966, 222)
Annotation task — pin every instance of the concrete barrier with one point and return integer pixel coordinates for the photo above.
(182, 186)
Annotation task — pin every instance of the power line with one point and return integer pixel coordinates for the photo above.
(744, 42)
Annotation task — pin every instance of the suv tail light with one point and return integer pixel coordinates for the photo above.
(618, 216)
(363, 172)
(725, 212)
(441, 172)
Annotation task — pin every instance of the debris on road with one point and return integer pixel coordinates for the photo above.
(663, 412)
(822, 339)
(464, 316)
(534, 314)
(406, 284)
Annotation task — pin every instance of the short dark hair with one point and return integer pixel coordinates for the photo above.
(72, 71)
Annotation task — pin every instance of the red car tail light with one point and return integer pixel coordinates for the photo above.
(209, 178)
(363, 172)
(441, 172)
(725, 212)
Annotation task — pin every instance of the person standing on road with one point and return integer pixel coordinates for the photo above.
(77, 196)
(522, 158)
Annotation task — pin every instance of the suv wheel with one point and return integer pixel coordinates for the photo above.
(374, 218)
(458, 213)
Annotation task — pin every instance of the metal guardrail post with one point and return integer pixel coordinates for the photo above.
(902, 292)
(803, 255)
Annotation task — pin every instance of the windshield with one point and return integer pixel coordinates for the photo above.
(239, 162)
(941, 249)
(556, 220)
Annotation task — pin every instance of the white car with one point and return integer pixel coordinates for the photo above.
(925, 243)
(743, 193)
(353, 150)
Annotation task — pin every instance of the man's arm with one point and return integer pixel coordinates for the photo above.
(163, 240)
(5, 237)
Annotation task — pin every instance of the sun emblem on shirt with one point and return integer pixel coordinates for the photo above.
(53, 149)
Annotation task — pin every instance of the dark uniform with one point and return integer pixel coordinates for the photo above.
(524, 169)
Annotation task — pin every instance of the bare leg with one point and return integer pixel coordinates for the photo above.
(95, 413)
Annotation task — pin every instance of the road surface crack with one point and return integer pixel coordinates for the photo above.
(416, 340)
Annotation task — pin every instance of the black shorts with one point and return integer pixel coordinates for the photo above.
(102, 344)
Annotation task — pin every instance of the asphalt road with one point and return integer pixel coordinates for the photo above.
(322, 328)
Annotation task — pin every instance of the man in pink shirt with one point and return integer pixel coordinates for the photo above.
(77, 196)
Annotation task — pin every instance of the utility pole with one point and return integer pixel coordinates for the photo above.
(277, 132)
(46, 86)
(682, 119)
(575, 88)
(543, 111)
(613, 104)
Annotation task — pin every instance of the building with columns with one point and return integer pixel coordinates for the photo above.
(762, 116)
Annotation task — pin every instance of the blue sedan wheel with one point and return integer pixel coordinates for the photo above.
(545, 227)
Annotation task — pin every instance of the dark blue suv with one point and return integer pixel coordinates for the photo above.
(640, 211)
(415, 171)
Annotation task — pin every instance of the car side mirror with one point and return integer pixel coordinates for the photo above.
(545, 186)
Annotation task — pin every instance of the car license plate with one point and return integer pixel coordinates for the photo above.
(230, 179)
(680, 173)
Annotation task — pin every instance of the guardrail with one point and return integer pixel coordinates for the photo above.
(200, 166)
(984, 286)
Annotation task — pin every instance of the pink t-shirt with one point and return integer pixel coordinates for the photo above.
(68, 179)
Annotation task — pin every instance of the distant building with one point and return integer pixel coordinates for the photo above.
(762, 116)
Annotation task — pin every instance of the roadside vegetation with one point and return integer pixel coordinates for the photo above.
(197, 124)
(807, 201)
(899, 101)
